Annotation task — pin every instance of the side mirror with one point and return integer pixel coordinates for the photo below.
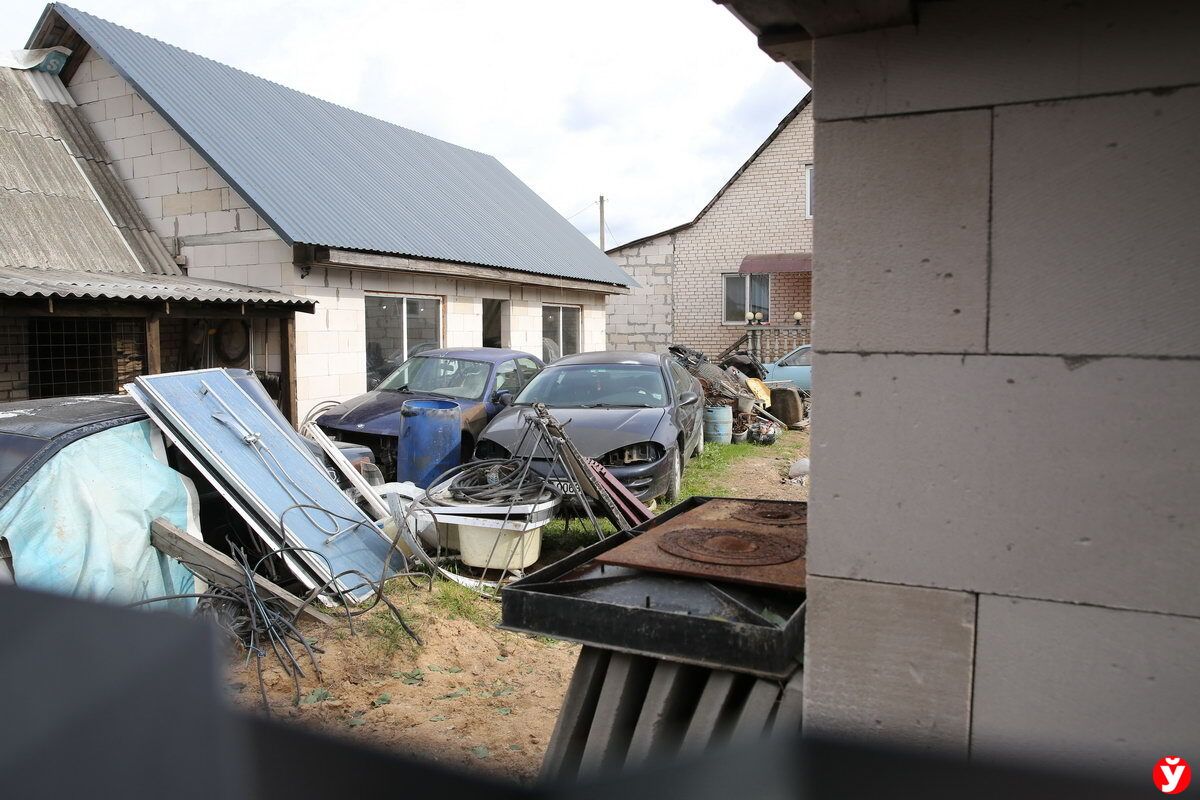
(502, 397)
(688, 399)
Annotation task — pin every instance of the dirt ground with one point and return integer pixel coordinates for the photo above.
(471, 696)
(764, 475)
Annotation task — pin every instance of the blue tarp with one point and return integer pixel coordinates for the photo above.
(81, 525)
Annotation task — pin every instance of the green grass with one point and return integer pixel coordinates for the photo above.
(705, 475)
(458, 602)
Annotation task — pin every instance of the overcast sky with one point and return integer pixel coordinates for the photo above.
(653, 103)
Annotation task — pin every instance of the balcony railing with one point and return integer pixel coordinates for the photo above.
(768, 342)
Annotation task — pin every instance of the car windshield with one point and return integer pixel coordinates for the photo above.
(448, 377)
(597, 386)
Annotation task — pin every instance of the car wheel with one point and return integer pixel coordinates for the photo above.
(675, 487)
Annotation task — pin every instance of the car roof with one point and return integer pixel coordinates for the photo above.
(492, 355)
(610, 357)
(32, 431)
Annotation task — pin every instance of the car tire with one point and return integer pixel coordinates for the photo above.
(675, 487)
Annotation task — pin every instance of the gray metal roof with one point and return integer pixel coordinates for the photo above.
(324, 175)
(27, 282)
(61, 206)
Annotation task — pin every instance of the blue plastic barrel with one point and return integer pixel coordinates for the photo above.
(430, 440)
(718, 424)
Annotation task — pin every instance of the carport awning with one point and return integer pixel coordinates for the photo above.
(778, 262)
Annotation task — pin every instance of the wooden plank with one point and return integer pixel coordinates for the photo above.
(288, 398)
(153, 347)
(351, 258)
(216, 567)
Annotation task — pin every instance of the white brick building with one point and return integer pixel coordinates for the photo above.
(211, 172)
(699, 279)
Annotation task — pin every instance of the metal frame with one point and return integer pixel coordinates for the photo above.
(247, 496)
(553, 602)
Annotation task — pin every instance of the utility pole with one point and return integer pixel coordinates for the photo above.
(601, 222)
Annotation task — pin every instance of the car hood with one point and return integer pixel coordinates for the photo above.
(595, 431)
(378, 411)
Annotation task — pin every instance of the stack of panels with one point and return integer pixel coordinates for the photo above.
(277, 488)
(624, 710)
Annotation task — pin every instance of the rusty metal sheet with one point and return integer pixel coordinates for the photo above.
(753, 542)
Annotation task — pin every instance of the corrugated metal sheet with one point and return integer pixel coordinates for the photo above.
(25, 282)
(61, 206)
(325, 175)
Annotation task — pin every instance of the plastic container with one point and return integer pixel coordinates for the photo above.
(718, 424)
(430, 440)
(738, 438)
(492, 548)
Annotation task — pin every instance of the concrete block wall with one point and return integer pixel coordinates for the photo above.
(1010, 378)
(682, 294)
(644, 319)
(181, 195)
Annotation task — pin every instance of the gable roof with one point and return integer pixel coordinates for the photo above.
(324, 175)
(68, 227)
(783, 123)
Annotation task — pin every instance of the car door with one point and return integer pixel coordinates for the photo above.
(528, 368)
(508, 379)
(687, 417)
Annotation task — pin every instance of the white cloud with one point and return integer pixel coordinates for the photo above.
(653, 103)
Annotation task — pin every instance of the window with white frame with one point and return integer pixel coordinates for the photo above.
(560, 331)
(808, 187)
(397, 327)
(747, 294)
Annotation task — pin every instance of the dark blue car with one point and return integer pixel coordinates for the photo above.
(480, 380)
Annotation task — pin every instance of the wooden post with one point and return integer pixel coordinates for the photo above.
(153, 364)
(288, 401)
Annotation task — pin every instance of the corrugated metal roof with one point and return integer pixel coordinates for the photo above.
(68, 227)
(26, 282)
(324, 175)
(61, 206)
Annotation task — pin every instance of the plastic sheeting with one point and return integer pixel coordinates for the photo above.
(81, 525)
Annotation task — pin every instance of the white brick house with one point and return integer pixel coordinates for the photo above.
(699, 279)
(506, 271)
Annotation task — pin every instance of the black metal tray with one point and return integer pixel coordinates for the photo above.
(690, 620)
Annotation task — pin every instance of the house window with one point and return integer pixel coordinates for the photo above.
(808, 187)
(399, 327)
(560, 331)
(747, 293)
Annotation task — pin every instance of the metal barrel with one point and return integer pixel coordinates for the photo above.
(430, 440)
(718, 424)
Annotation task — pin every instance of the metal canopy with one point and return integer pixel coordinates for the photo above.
(267, 477)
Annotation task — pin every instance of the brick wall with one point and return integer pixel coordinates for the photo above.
(761, 212)
(14, 360)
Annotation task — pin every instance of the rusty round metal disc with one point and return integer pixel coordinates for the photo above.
(733, 547)
(772, 514)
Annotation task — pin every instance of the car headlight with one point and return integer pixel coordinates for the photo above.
(489, 449)
(641, 453)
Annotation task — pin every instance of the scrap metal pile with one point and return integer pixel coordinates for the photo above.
(738, 383)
